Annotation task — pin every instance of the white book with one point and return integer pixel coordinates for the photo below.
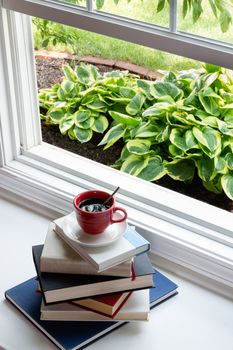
(58, 257)
(136, 308)
(102, 258)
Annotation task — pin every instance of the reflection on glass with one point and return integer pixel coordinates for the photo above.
(145, 11)
(212, 23)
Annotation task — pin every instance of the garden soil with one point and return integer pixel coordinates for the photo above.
(49, 72)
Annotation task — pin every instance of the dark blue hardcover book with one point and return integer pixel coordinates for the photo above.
(164, 289)
(60, 287)
(72, 335)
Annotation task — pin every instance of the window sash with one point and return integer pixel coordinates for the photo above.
(169, 40)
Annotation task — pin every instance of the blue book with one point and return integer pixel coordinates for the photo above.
(58, 287)
(101, 256)
(73, 335)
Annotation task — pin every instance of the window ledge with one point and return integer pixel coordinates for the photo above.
(177, 245)
(189, 318)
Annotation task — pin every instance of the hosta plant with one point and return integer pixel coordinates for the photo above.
(80, 104)
(180, 126)
(188, 129)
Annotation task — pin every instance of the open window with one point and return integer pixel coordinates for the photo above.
(46, 174)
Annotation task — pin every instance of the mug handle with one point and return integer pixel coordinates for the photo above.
(113, 221)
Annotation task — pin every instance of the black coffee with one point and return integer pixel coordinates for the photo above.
(93, 205)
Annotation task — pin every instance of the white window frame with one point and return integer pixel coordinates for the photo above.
(201, 239)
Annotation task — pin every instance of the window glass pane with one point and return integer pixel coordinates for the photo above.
(208, 21)
(100, 98)
(82, 3)
(145, 11)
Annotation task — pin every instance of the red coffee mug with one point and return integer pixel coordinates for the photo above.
(96, 222)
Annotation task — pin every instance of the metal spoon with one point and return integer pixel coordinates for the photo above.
(108, 199)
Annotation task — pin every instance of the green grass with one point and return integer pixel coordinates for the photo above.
(145, 11)
(91, 44)
(87, 43)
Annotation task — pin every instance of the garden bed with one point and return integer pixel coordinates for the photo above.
(48, 73)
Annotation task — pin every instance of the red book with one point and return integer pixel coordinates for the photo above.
(108, 304)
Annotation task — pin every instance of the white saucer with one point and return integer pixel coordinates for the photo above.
(74, 232)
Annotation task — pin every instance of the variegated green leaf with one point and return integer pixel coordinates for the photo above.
(69, 73)
(87, 99)
(60, 104)
(227, 144)
(71, 134)
(209, 102)
(147, 130)
(170, 100)
(175, 151)
(145, 86)
(154, 170)
(134, 164)
(163, 133)
(183, 140)
(98, 105)
(158, 109)
(166, 88)
(181, 119)
(210, 121)
(61, 94)
(181, 169)
(94, 73)
(229, 160)
(220, 165)
(127, 92)
(210, 139)
(135, 105)
(66, 123)
(229, 120)
(214, 185)
(82, 135)
(227, 184)
(114, 134)
(227, 96)
(56, 116)
(124, 153)
(100, 124)
(206, 168)
(210, 78)
(110, 100)
(87, 124)
(138, 146)
(67, 86)
(124, 118)
(83, 75)
(190, 140)
(81, 115)
(178, 139)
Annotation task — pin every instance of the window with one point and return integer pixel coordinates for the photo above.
(180, 226)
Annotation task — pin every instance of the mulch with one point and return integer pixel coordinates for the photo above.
(49, 72)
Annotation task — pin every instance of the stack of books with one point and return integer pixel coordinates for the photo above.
(86, 286)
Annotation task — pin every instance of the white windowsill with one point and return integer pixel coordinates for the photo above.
(194, 319)
(162, 202)
(173, 243)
